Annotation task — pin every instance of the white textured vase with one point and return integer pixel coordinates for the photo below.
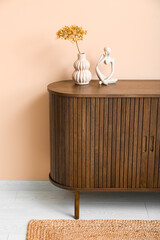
(81, 75)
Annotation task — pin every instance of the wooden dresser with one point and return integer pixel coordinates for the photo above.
(105, 138)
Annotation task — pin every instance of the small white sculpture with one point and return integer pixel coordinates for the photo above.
(105, 58)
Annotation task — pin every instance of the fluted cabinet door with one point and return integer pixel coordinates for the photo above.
(157, 151)
(105, 142)
(152, 141)
(149, 143)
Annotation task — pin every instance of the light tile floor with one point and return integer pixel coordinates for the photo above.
(21, 201)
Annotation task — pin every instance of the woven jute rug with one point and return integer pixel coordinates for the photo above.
(93, 229)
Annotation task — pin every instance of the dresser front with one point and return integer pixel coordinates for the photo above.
(105, 143)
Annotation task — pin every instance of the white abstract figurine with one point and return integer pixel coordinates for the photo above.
(105, 58)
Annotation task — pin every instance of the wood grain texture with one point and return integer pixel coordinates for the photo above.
(104, 189)
(139, 144)
(122, 149)
(126, 142)
(145, 140)
(88, 142)
(83, 149)
(152, 141)
(157, 154)
(105, 143)
(131, 142)
(109, 145)
(75, 142)
(101, 140)
(118, 143)
(123, 88)
(135, 142)
(96, 145)
(92, 122)
(79, 141)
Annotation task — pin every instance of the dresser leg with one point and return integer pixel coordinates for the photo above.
(76, 205)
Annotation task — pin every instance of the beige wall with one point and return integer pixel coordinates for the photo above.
(31, 57)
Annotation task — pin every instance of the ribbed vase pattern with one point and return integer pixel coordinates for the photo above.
(81, 75)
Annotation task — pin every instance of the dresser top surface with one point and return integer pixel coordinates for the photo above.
(122, 88)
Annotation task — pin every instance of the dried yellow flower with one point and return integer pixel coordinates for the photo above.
(72, 33)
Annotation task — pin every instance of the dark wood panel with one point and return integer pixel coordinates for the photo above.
(105, 139)
(101, 139)
(126, 146)
(122, 88)
(118, 143)
(152, 142)
(59, 130)
(157, 154)
(56, 136)
(96, 145)
(62, 165)
(104, 189)
(92, 178)
(71, 135)
(52, 137)
(109, 149)
(114, 139)
(88, 142)
(83, 149)
(67, 135)
(145, 142)
(79, 126)
(131, 142)
(135, 142)
(122, 149)
(105, 142)
(75, 142)
(139, 145)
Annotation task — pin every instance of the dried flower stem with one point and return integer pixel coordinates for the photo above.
(78, 47)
